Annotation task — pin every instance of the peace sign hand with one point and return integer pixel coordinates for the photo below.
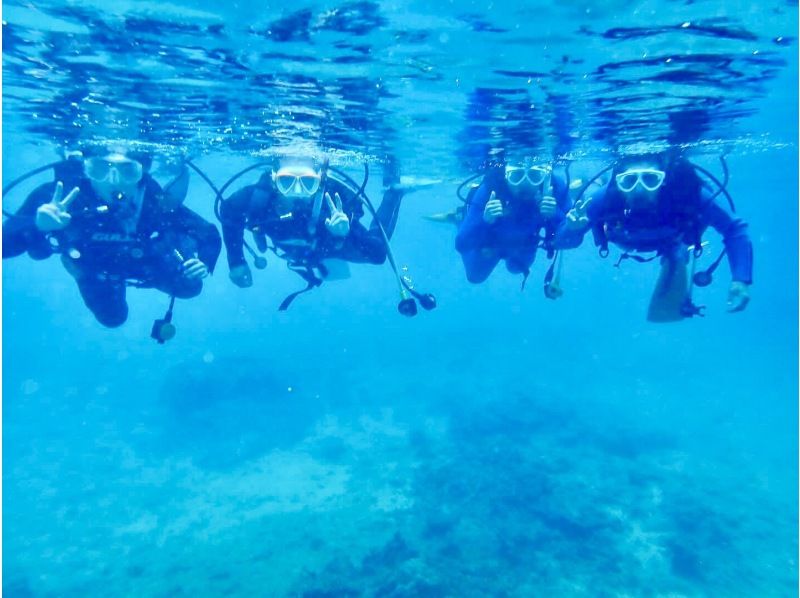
(55, 215)
(338, 224)
(577, 217)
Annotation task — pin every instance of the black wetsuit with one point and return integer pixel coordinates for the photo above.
(294, 232)
(106, 246)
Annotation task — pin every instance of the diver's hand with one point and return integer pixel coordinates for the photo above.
(738, 296)
(493, 209)
(577, 217)
(548, 206)
(241, 276)
(54, 215)
(194, 269)
(338, 224)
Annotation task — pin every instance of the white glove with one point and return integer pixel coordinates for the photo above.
(338, 224)
(54, 215)
(493, 209)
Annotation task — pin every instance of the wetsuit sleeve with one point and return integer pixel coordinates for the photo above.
(360, 245)
(233, 214)
(474, 231)
(204, 234)
(734, 234)
(19, 231)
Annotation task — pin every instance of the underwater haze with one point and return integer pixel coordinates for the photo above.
(502, 444)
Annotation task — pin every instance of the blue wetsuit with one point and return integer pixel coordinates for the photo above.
(102, 252)
(514, 237)
(679, 219)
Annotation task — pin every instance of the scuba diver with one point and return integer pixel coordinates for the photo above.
(659, 203)
(310, 214)
(116, 227)
(504, 216)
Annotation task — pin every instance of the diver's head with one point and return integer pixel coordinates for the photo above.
(114, 174)
(527, 179)
(297, 178)
(638, 180)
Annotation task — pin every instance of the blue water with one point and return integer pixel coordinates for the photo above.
(501, 445)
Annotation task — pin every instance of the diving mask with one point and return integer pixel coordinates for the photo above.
(650, 179)
(300, 182)
(115, 169)
(536, 175)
